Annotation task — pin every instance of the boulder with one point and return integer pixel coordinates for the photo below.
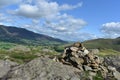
(94, 51)
(5, 67)
(44, 68)
(116, 74)
(113, 61)
(111, 69)
(77, 60)
(74, 49)
(87, 68)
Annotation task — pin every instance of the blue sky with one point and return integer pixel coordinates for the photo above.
(72, 20)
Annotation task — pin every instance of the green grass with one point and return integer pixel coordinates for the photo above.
(98, 76)
(23, 57)
(19, 57)
(108, 52)
(6, 45)
(103, 44)
(21, 53)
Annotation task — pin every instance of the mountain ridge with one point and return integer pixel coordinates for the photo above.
(20, 35)
(102, 43)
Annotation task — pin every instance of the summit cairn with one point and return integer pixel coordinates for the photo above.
(78, 56)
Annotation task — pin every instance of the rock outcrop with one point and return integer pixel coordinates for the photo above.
(94, 51)
(76, 63)
(5, 67)
(43, 68)
(113, 61)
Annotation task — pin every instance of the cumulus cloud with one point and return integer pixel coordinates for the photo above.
(81, 36)
(65, 35)
(66, 28)
(8, 2)
(42, 9)
(66, 23)
(28, 11)
(69, 7)
(75, 36)
(111, 29)
(35, 21)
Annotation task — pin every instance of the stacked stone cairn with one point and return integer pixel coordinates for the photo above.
(78, 56)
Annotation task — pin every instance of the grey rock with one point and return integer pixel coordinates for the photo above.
(116, 75)
(90, 77)
(74, 49)
(5, 67)
(110, 68)
(113, 61)
(94, 51)
(87, 68)
(43, 68)
(75, 78)
(101, 60)
(92, 73)
(104, 69)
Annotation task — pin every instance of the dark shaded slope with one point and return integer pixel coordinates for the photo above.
(23, 36)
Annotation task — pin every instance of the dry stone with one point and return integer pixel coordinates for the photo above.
(43, 68)
(5, 67)
(94, 51)
(78, 56)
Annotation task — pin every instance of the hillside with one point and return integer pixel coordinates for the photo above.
(23, 36)
(103, 44)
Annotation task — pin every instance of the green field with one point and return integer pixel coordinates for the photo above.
(23, 53)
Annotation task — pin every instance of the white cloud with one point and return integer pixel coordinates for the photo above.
(81, 36)
(8, 2)
(28, 11)
(66, 23)
(42, 9)
(66, 28)
(69, 7)
(65, 35)
(74, 36)
(35, 21)
(111, 29)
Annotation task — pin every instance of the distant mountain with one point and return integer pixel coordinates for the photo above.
(104, 43)
(23, 36)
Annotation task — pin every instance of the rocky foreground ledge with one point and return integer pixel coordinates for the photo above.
(44, 68)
